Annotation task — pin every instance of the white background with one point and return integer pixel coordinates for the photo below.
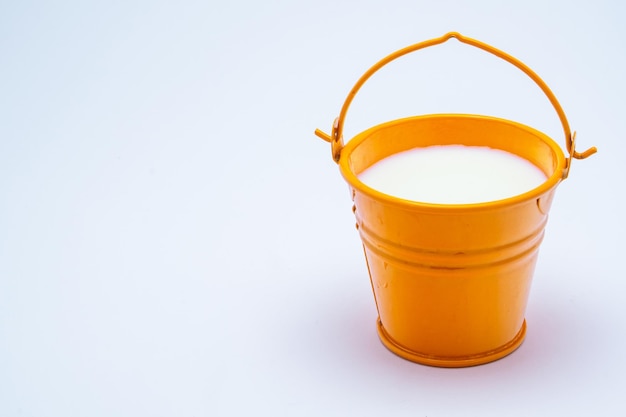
(175, 241)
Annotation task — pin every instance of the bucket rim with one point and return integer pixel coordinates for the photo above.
(355, 183)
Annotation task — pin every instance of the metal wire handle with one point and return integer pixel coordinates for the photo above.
(336, 136)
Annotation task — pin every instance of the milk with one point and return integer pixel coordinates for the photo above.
(453, 174)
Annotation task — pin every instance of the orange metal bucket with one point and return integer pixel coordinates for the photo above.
(451, 281)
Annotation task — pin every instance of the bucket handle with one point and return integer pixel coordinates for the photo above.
(336, 136)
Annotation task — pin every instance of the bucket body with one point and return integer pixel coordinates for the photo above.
(451, 281)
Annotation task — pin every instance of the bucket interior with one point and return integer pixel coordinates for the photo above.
(387, 139)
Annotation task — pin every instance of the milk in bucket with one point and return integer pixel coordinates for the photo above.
(453, 174)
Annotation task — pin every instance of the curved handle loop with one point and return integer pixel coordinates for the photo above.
(336, 137)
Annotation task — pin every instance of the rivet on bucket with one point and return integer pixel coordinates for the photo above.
(451, 281)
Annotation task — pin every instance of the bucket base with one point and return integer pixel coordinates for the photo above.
(451, 362)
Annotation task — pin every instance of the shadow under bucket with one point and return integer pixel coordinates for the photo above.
(451, 281)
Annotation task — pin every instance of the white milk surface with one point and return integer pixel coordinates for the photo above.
(453, 174)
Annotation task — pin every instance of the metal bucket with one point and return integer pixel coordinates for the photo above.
(451, 281)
